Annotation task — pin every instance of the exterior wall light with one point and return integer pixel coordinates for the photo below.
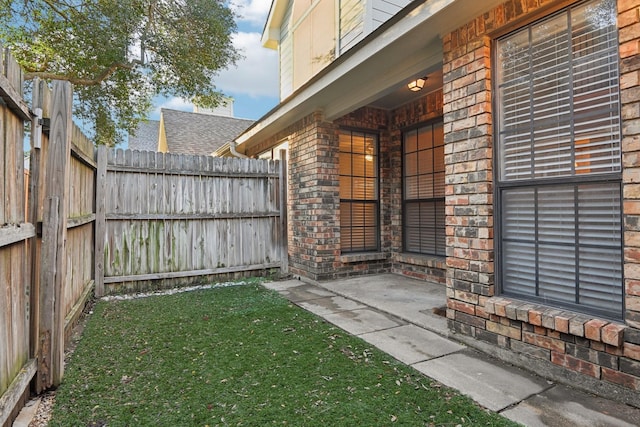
(417, 84)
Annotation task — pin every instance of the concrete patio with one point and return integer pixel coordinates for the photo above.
(399, 316)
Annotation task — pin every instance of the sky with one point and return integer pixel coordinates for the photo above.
(253, 83)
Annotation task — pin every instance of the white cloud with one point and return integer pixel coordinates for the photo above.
(253, 12)
(256, 74)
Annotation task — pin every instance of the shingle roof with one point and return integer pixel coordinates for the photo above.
(193, 133)
(146, 136)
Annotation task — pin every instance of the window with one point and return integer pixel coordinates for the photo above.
(559, 162)
(423, 160)
(358, 191)
(274, 152)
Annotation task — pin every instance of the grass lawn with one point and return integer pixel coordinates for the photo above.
(241, 356)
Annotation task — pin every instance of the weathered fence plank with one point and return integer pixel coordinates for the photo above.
(11, 398)
(100, 228)
(54, 236)
(80, 224)
(179, 274)
(284, 255)
(11, 234)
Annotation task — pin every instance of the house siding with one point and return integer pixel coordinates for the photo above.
(593, 347)
(286, 55)
(383, 10)
(351, 23)
(360, 18)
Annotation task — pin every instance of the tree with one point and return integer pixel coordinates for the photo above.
(120, 54)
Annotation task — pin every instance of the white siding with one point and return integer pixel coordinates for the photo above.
(383, 10)
(359, 18)
(286, 55)
(351, 23)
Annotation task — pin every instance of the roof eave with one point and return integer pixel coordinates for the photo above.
(271, 32)
(408, 44)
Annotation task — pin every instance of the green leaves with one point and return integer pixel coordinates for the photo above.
(119, 55)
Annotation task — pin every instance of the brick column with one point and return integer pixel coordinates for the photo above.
(315, 200)
(469, 180)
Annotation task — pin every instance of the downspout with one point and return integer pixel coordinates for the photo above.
(232, 149)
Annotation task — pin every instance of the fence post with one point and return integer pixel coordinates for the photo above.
(100, 227)
(284, 247)
(54, 236)
(35, 165)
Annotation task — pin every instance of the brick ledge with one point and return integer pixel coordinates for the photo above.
(421, 260)
(364, 256)
(563, 321)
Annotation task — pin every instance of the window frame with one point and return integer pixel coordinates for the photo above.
(536, 183)
(434, 200)
(376, 193)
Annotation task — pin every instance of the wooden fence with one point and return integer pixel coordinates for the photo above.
(46, 261)
(171, 219)
(17, 365)
(110, 220)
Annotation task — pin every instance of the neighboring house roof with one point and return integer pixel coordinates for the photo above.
(200, 134)
(146, 136)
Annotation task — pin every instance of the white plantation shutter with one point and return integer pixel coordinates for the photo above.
(559, 122)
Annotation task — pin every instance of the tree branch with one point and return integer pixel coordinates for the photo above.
(80, 81)
(54, 8)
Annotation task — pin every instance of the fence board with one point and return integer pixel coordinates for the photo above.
(6, 362)
(54, 236)
(100, 227)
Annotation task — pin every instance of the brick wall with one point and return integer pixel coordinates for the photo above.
(424, 109)
(314, 203)
(596, 348)
(314, 198)
(376, 121)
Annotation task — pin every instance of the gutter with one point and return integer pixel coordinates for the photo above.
(232, 149)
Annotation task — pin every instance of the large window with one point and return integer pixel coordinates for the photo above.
(359, 229)
(424, 228)
(559, 162)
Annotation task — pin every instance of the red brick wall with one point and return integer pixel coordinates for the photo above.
(593, 347)
(314, 198)
(314, 203)
(424, 109)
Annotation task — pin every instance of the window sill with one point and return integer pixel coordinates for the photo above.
(431, 261)
(363, 256)
(563, 321)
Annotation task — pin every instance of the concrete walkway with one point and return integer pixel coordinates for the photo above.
(398, 315)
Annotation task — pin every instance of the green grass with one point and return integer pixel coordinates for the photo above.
(241, 356)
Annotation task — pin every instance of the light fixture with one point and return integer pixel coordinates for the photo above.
(417, 84)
